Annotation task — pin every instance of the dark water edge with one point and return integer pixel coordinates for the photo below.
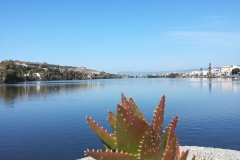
(46, 120)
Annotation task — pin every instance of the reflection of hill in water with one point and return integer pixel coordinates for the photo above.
(9, 93)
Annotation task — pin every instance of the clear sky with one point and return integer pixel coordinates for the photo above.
(122, 35)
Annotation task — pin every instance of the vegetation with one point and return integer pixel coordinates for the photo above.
(134, 139)
(18, 71)
(8, 72)
(152, 76)
(235, 71)
(173, 75)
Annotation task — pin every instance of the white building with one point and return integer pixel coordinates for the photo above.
(215, 72)
(37, 74)
(227, 70)
(204, 72)
(194, 73)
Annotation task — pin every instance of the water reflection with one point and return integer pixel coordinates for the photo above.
(53, 119)
(11, 93)
(225, 84)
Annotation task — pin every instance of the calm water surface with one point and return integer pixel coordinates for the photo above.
(46, 120)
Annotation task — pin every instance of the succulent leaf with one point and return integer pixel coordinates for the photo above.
(108, 155)
(129, 131)
(169, 154)
(194, 157)
(158, 116)
(164, 138)
(184, 155)
(168, 134)
(106, 138)
(172, 129)
(136, 110)
(177, 149)
(125, 103)
(106, 147)
(112, 120)
(151, 146)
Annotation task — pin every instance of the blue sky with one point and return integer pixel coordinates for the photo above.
(122, 35)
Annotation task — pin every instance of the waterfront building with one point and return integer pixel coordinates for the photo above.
(227, 70)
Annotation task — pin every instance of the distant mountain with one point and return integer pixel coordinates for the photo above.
(139, 73)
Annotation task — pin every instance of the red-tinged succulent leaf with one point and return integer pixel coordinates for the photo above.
(132, 107)
(172, 128)
(158, 116)
(112, 116)
(106, 138)
(177, 149)
(112, 120)
(129, 131)
(169, 154)
(151, 146)
(168, 134)
(184, 155)
(136, 110)
(194, 157)
(99, 155)
(125, 103)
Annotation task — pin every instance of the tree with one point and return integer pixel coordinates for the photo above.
(235, 71)
(8, 74)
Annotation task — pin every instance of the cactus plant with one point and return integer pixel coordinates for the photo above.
(133, 138)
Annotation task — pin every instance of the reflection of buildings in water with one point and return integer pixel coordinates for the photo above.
(223, 83)
(236, 86)
(195, 82)
(226, 86)
(38, 86)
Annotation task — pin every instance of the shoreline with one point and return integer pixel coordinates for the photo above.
(207, 153)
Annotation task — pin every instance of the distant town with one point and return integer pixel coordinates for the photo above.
(232, 71)
(13, 71)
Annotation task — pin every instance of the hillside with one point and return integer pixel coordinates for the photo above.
(19, 71)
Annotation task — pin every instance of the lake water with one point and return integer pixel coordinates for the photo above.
(46, 120)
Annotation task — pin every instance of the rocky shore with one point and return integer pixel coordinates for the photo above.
(205, 153)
